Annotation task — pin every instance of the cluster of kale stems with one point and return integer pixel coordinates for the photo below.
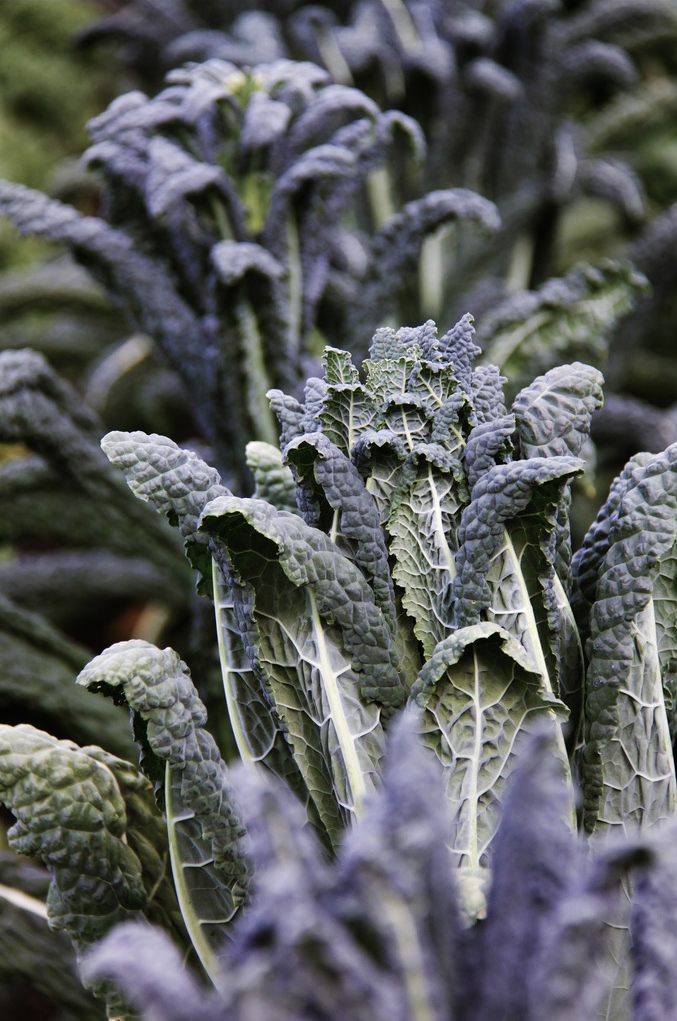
(264, 203)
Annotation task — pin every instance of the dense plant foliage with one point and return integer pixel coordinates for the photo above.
(378, 933)
(292, 181)
(409, 545)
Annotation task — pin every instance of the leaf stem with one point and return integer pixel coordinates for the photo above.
(351, 764)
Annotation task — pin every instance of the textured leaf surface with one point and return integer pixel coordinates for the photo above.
(71, 812)
(354, 525)
(176, 482)
(553, 414)
(489, 443)
(348, 407)
(205, 833)
(480, 696)
(629, 775)
(505, 564)
(564, 320)
(588, 559)
(322, 643)
(256, 725)
(423, 527)
(273, 480)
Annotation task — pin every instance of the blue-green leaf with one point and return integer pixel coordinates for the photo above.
(205, 834)
(354, 520)
(176, 482)
(553, 414)
(93, 821)
(629, 771)
(480, 696)
(505, 563)
(323, 645)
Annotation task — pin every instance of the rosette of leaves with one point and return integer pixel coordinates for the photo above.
(233, 228)
(534, 75)
(409, 544)
(431, 544)
(413, 476)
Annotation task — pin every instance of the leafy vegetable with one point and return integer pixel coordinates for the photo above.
(425, 559)
(423, 546)
(203, 829)
(627, 760)
(378, 933)
(92, 820)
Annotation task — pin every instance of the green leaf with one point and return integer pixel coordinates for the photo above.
(70, 811)
(352, 518)
(289, 413)
(506, 556)
(423, 526)
(565, 320)
(553, 414)
(388, 376)
(205, 833)
(273, 479)
(322, 643)
(489, 443)
(256, 726)
(176, 482)
(339, 368)
(380, 457)
(628, 766)
(480, 696)
(587, 561)
(348, 407)
(395, 249)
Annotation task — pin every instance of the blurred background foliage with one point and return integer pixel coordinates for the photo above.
(561, 112)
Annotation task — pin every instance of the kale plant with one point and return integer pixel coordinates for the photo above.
(234, 205)
(562, 113)
(409, 545)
